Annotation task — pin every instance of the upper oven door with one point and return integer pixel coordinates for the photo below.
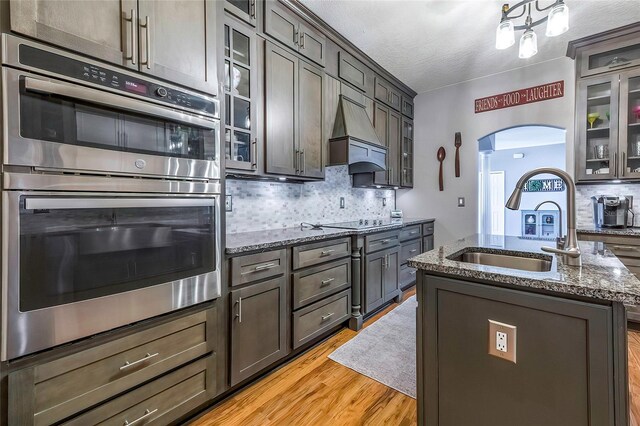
(53, 124)
(77, 264)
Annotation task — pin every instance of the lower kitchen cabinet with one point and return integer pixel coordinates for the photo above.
(314, 320)
(258, 327)
(381, 278)
(88, 380)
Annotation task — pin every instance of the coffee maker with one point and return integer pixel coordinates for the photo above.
(612, 211)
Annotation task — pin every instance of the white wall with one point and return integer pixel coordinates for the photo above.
(442, 112)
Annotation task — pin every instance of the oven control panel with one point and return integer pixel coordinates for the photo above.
(107, 77)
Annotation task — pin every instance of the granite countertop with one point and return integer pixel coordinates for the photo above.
(602, 276)
(243, 242)
(592, 230)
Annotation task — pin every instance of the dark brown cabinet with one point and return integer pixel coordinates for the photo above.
(407, 106)
(406, 154)
(293, 115)
(353, 71)
(386, 93)
(178, 41)
(243, 9)
(242, 97)
(381, 277)
(104, 29)
(389, 132)
(286, 27)
(258, 327)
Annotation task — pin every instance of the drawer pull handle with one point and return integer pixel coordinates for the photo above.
(146, 414)
(385, 241)
(624, 248)
(326, 252)
(147, 357)
(412, 272)
(413, 232)
(413, 251)
(327, 281)
(264, 267)
(326, 317)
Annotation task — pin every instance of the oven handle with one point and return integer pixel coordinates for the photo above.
(43, 203)
(112, 100)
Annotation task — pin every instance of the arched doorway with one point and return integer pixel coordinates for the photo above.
(504, 156)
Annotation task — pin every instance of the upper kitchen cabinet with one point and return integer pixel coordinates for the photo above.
(172, 40)
(386, 93)
(610, 56)
(289, 29)
(104, 29)
(177, 41)
(243, 9)
(407, 106)
(607, 126)
(242, 96)
(388, 126)
(353, 71)
(406, 154)
(293, 115)
(597, 128)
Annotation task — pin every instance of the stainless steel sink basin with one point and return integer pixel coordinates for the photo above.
(532, 264)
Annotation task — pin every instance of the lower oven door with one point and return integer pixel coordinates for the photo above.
(77, 264)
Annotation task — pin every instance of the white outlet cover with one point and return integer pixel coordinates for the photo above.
(502, 340)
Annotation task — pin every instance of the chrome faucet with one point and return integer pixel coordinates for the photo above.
(570, 250)
(560, 239)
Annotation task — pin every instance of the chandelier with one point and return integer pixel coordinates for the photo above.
(557, 23)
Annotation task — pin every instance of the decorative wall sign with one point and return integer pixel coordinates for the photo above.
(544, 185)
(457, 142)
(520, 97)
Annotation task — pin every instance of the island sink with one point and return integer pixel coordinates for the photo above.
(506, 260)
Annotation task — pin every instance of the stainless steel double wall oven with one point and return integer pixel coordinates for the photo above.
(110, 197)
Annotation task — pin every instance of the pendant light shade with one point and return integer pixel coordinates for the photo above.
(505, 35)
(528, 44)
(558, 22)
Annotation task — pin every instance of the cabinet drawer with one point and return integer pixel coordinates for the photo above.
(254, 267)
(407, 276)
(624, 250)
(427, 228)
(410, 232)
(325, 251)
(61, 388)
(381, 241)
(312, 321)
(315, 283)
(408, 250)
(160, 402)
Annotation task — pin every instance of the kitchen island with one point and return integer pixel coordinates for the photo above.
(541, 344)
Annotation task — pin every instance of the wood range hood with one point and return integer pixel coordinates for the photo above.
(354, 141)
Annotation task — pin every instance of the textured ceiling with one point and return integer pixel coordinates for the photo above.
(433, 43)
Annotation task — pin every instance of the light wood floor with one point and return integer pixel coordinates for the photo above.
(314, 390)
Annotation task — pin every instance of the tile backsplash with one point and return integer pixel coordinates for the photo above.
(585, 192)
(271, 205)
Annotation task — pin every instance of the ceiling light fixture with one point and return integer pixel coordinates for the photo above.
(557, 23)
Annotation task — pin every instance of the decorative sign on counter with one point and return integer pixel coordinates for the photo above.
(544, 185)
(520, 97)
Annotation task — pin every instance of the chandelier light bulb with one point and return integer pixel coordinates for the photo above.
(505, 35)
(558, 22)
(528, 44)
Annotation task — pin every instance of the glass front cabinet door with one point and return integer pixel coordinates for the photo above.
(597, 156)
(240, 89)
(630, 124)
(243, 9)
